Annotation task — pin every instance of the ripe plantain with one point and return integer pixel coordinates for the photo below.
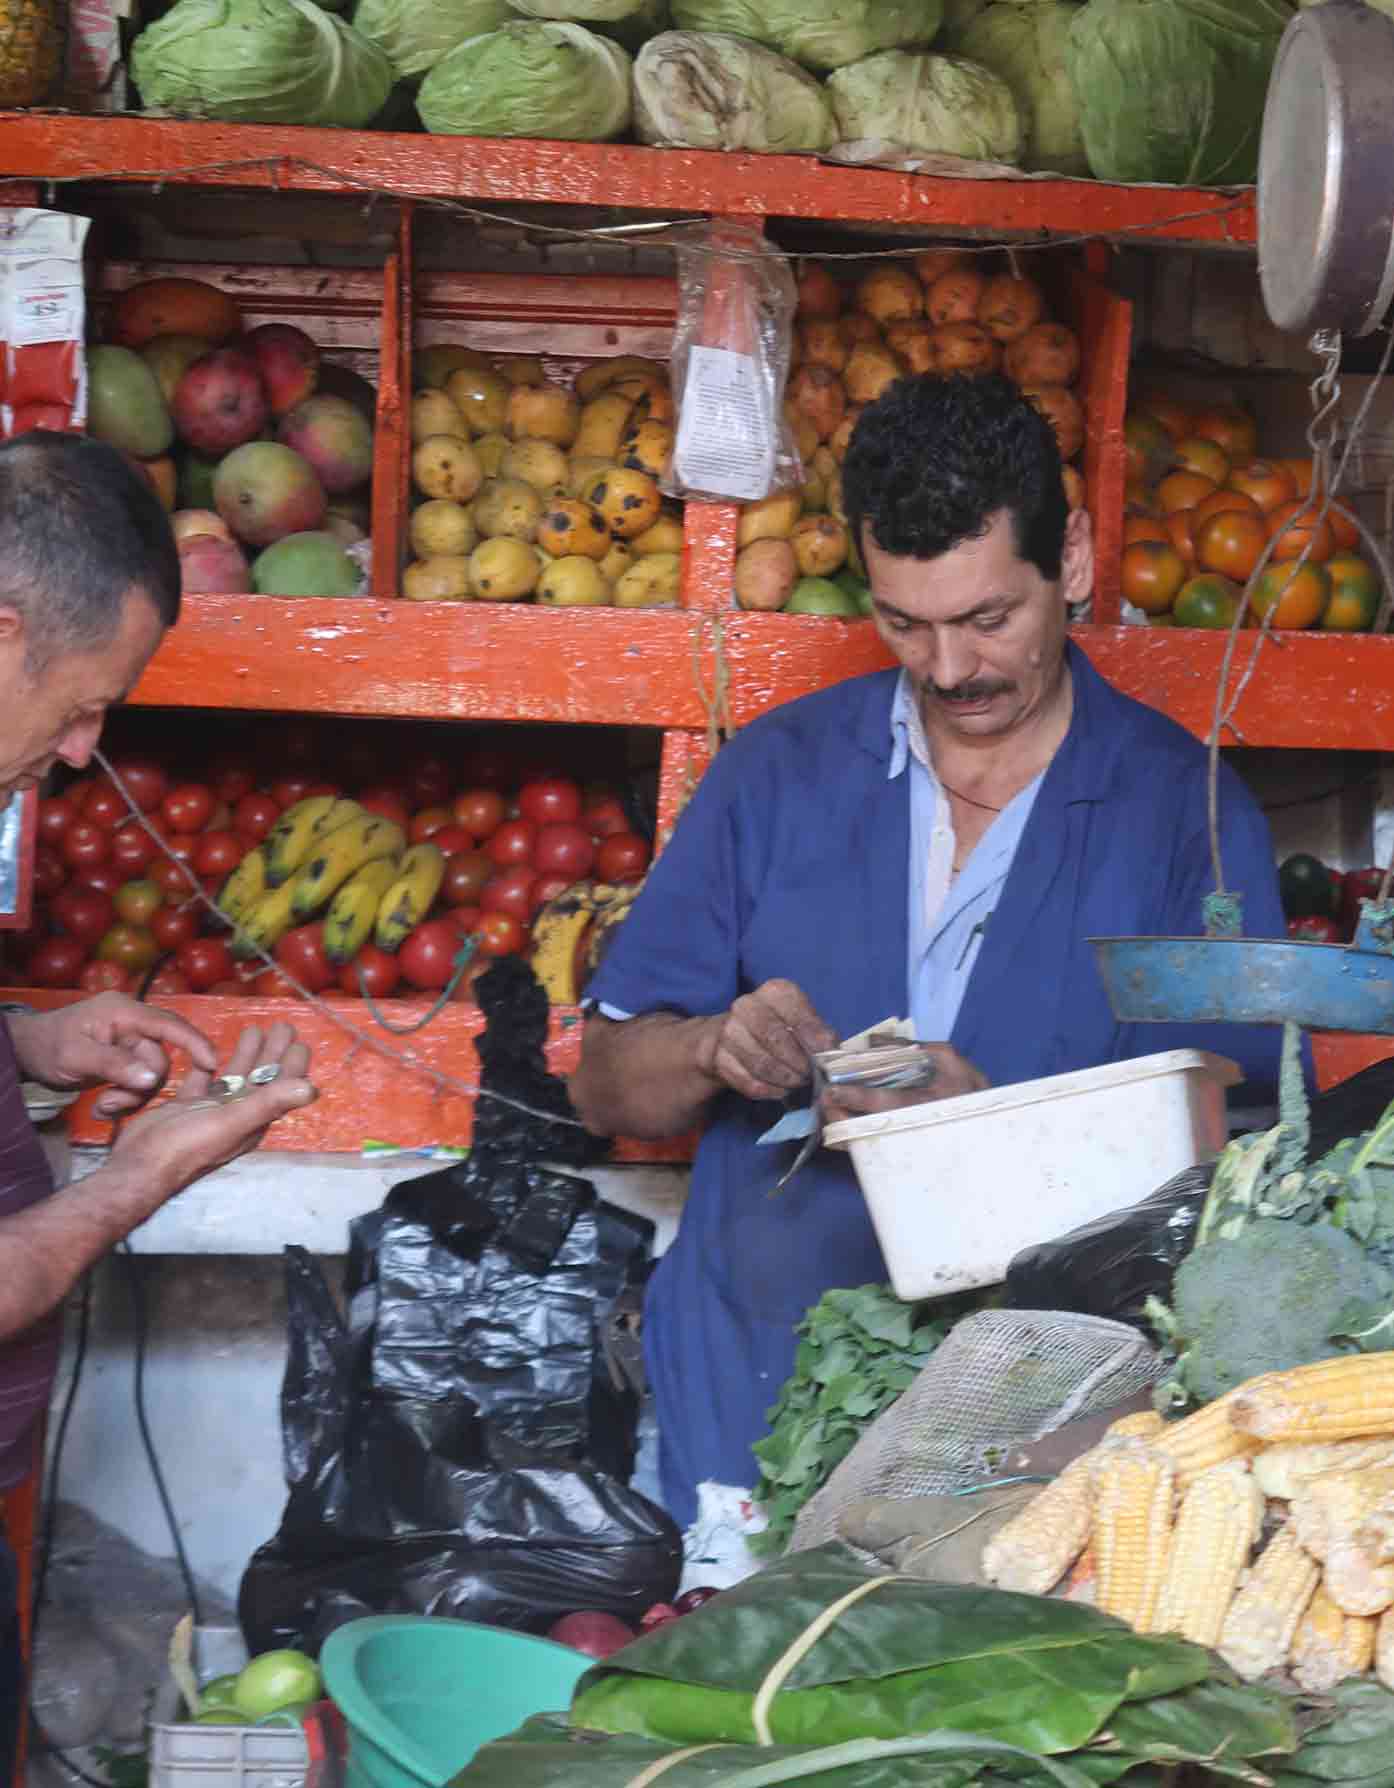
(265, 922)
(612, 903)
(244, 886)
(299, 829)
(407, 902)
(559, 934)
(349, 922)
(339, 854)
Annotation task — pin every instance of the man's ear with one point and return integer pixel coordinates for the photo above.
(1077, 560)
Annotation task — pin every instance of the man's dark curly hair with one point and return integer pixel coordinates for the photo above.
(934, 459)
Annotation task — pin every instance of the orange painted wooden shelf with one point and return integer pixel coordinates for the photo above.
(39, 146)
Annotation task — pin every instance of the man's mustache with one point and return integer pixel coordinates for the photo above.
(968, 692)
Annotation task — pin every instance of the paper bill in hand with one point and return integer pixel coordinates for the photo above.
(885, 1056)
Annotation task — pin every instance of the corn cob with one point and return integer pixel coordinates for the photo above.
(1143, 1424)
(1201, 1440)
(1330, 1645)
(1339, 1399)
(1134, 1488)
(1033, 1550)
(1332, 1507)
(1384, 1648)
(1281, 1470)
(1258, 1631)
(1216, 1528)
(1376, 1531)
(1083, 1581)
(1356, 1583)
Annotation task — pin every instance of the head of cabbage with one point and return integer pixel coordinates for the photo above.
(706, 90)
(1025, 45)
(1173, 90)
(934, 105)
(531, 78)
(414, 37)
(259, 62)
(819, 33)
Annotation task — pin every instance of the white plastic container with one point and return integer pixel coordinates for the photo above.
(191, 1756)
(956, 1187)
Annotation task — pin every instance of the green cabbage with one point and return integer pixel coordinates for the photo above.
(530, 79)
(415, 34)
(935, 105)
(1173, 90)
(820, 33)
(581, 12)
(259, 62)
(1025, 45)
(708, 90)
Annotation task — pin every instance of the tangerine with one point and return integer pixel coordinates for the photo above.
(1267, 481)
(1221, 501)
(1183, 490)
(1344, 532)
(1307, 532)
(1196, 454)
(1180, 526)
(1209, 600)
(1301, 474)
(1231, 542)
(1144, 527)
(1294, 595)
(1153, 571)
(1147, 448)
(1175, 418)
(1354, 594)
(1231, 428)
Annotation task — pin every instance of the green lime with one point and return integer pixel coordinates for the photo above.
(218, 1691)
(277, 1679)
(821, 596)
(220, 1716)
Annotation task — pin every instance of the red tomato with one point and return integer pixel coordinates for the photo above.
(271, 985)
(323, 788)
(623, 857)
(381, 973)
(428, 782)
(464, 918)
(106, 878)
(104, 977)
(549, 799)
(254, 816)
(564, 848)
(465, 874)
(488, 768)
(452, 838)
(137, 902)
(513, 842)
(56, 814)
(104, 806)
(218, 853)
(204, 962)
(232, 780)
(547, 887)
(478, 965)
(83, 913)
(57, 962)
(144, 779)
(288, 791)
(168, 875)
(509, 892)
(388, 803)
(49, 873)
(427, 822)
(167, 983)
(604, 816)
(301, 954)
(133, 850)
(85, 844)
(427, 958)
(220, 820)
(500, 934)
(174, 926)
(187, 807)
(480, 811)
(133, 946)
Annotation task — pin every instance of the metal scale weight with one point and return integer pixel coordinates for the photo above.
(1326, 266)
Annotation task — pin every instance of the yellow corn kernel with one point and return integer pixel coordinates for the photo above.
(1282, 1470)
(1332, 1507)
(1216, 1528)
(1341, 1399)
(1204, 1439)
(1258, 1631)
(1033, 1550)
(1384, 1648)
(1143, 1424)
(1134, 1489)
(1330, 1645)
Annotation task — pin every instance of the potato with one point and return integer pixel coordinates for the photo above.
(592, 380)
(870, 369)
(585, 469)
(651, 397)
(816, 394)
(573, 582)
(821, 345)
(491, 449)
(766, 572)
(543, 413)
(914, 343)
(890, 291)
(442, 528)
(571, 528)
(541, 464)
(603, 423)
(503, 570)
(814, 491)
(834, 494)
(842, 434)
(1061, 409)
(521, 369)
(432, 366)
(665, 536)
(805, 434)
(432, 413)
(445, 466)
(507, 506)
(820, 545)
(1010, 306)
(650, 582)
(819, 296)
(616, 562)
(1048, 354)
(955, 295)
(931, 262)
(1076, 494)
(629, 501)
(857, 326)
(964, 348)
(481, 397)
(443, 578)
(647, 448)
(772, 518)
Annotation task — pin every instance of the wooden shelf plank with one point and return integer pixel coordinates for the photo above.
(37, 146)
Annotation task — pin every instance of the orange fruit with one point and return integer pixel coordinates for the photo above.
(1296, 595)
(1301, 475)
(1218, 502)
(1144, 527)
(1306, 531)
(1137, 498)
(1196, 454)
(1153, 571)
(1344, 532)
(1206, 601)
(1229, 427)
(1182, 490)
(1180, 526)
(1231, 542)
(1267, 481)
(1175, 418)
(1354, 594)
(1147, 448)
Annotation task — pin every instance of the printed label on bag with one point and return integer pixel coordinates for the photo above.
(726, 434)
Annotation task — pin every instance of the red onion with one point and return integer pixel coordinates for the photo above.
(596, 1634)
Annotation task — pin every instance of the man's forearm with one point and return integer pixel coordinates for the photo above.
(645, 1077)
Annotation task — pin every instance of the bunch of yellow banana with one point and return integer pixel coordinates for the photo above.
(408, 899)
(568, 936)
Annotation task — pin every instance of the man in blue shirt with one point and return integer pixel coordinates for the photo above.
(942, 842)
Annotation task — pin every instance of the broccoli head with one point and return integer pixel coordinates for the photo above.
(1276, 1295)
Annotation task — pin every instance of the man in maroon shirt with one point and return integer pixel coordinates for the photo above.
(89, 581)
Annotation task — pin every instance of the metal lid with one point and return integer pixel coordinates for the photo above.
(1324, 196)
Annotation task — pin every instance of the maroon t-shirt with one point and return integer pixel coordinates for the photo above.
(29, 1360)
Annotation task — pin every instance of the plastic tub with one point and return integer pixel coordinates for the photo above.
(419, 1694)
(192, 1756)
(956, 1187)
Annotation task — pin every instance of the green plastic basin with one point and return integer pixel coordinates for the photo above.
(421, 1695)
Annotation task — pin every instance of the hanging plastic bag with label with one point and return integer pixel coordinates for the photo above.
(730, 362)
